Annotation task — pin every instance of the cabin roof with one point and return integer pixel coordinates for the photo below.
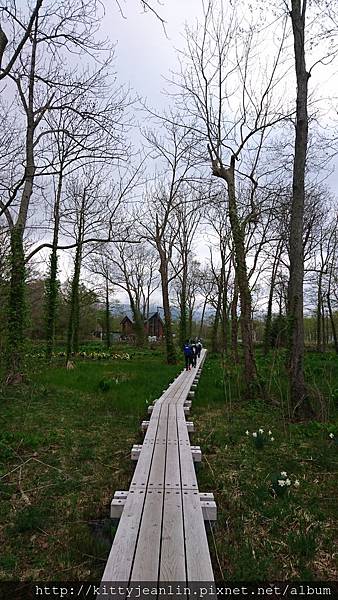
(155, 315)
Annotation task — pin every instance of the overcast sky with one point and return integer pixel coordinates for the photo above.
(145, 54)
(144, 51)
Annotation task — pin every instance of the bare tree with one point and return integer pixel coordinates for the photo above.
(188, 215)
(42, 84)
(15, 48)
(219, 56)
(174, 151)
(131, 267)
(90, 200)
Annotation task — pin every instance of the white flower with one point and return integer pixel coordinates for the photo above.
(254, 434)
(288, 482)
(272, 439)
(331, 435)
(296, 484)
(283, 473)
(260, 430)
(281, 482)
(269, 432)
(247, 432)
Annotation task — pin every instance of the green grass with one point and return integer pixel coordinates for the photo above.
(258, 535)
(64, 451)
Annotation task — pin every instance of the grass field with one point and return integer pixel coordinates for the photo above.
(259, 534)
(65, 448)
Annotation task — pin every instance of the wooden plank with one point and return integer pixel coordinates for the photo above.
(172, 473)
(187, 470)
(147, 555)
(120, 560)
(141, 473)
(196, 544)
(157, 469)
(172, 566)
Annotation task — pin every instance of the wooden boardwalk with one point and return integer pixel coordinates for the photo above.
(161, 535)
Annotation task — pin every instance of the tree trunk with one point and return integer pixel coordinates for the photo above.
(183, 325)
(324, 336)
(224, 306)
(107, 315)
(16, 308)
(138, 323)
(52, 285)
(234, 324)
(190, 315)
(168, 332)
(16, 304)
(74, 316)
(267, 329)
(332, 321)
(299, 402)
(202, 318)
(250, 372)
(215, 325)
(319, 315)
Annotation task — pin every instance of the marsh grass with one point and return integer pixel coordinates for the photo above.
(259, 536)
(64, 450)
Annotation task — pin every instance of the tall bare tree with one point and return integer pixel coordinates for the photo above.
(219, 59)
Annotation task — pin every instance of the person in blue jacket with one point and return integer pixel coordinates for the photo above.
(187, 351)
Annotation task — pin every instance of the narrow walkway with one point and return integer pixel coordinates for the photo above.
(161, 535)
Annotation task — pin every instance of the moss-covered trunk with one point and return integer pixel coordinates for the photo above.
(52, 284)
(74, 313)
(250, 372)
(16, 312)
(234, 324)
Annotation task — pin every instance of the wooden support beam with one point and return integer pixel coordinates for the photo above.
(190, 426)
(208, 504)
(144, 425)
(196, 452)
(135, 451)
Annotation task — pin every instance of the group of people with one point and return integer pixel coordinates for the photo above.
(192, 351)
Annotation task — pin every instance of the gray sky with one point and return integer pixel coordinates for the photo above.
(144, 52)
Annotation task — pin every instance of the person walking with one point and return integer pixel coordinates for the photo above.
(199, 348)
(193, 353)
(187, 355)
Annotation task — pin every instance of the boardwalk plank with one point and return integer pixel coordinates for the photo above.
(147, 556)
(197, 551)
(172, 544)
(120, 560)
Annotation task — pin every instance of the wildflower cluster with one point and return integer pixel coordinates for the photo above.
(104, 355)
(260, 438)
(281, 483)
(90, 355)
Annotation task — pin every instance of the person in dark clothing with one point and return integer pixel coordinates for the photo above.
(193, 353)
(199, 348)
(187, 355)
